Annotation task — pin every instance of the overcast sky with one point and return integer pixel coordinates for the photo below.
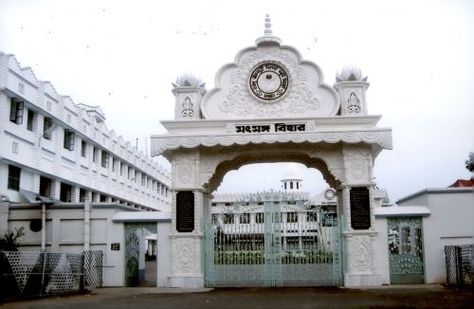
(123, 56)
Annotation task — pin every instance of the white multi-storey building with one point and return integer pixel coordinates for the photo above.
(56, 148)
(303, 219)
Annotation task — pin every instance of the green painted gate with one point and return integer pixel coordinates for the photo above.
(274, 248)
(405, 245)
(134, 247)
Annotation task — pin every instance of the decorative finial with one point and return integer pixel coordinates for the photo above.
(188, 80)
(268, 37)
(268, 26)
(350, 73)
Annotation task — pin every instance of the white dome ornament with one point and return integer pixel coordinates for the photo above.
(188, 90)
(351, 86)
(350, 73)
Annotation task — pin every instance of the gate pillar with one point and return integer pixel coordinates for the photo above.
(358, 218)
(186, 235)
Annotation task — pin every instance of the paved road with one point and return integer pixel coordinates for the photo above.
(426, 296)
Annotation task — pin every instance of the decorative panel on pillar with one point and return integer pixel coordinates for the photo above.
(185, 211)
(360, 208)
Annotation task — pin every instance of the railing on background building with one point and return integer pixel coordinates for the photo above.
(459, 264)
(38, 274)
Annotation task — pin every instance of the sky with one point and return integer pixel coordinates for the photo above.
(123, 56)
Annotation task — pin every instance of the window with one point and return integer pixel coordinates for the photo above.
(143, 179)
(291, 185)
(47, 128)
(29, 120)
(94, 154)
(16, 111)
(113, 164)
(121, 168)
(82, 195)
(65, 193)
(83, 148)
(292, 217)
(103, 198)
(215, 219)
(311, 217)
(104, 159)
(228, 218)
(69, 139)
(259, 217)
(129, 173)
(45, 186)
(14, 174)
(245, 218)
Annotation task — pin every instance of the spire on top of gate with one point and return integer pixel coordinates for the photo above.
(268, 37)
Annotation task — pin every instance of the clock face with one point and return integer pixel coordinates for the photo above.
(269, 81)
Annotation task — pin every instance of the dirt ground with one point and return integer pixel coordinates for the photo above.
(416, 296)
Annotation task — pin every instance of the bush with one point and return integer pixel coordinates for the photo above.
(9, 241)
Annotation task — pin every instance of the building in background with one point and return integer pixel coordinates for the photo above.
(72, 184)
(305, 220)
(53, 147)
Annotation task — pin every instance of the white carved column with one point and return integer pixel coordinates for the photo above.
(359, 246)
(186, 247)
(351, 87)
(188, 91)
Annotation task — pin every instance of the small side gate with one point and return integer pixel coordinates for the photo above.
(273, 247)
(405, 245)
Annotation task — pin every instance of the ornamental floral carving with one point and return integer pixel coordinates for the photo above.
(305, 95)
(353, 104)
(357, 165)
(361, 253)
(183, 255)
(184, 171)
(188, 108)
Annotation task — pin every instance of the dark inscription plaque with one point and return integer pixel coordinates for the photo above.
(185, 211)
(360, 208)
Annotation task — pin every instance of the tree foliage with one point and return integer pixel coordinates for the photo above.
(10, 240)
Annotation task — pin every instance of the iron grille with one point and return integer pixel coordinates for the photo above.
(459, 264)
(37, 274)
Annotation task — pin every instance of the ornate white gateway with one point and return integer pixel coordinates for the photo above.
(272, 106)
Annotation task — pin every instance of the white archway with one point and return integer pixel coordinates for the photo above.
(249, 118)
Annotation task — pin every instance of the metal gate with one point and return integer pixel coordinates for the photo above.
(279, 244)
(405, 245)
(135, 251)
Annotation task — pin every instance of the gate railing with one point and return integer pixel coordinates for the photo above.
(37, 274)
(459, 264)
(280, 249)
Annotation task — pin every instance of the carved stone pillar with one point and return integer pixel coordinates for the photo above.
(187, 229)
(358, 208)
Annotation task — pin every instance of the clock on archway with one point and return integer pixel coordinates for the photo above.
(269, 81)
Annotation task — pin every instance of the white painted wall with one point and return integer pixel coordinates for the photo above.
(164, 254)
(65, 233)
(381, 259)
